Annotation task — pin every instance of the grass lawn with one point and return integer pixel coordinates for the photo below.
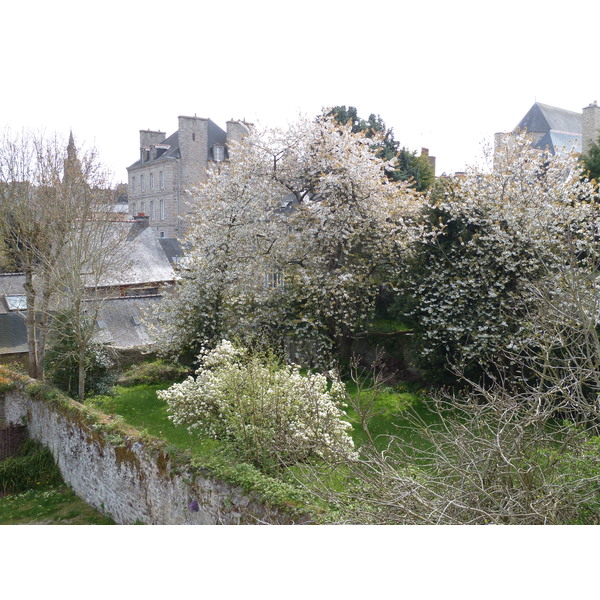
(140, 407)
(56, 505)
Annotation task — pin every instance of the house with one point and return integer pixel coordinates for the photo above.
(169, 165)
(558, 130)
(146, 271)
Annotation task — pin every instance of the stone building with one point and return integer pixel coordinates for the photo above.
(558, 130)
(168, 165)
(554, 129)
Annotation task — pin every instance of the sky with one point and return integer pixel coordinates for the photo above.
(445, 75)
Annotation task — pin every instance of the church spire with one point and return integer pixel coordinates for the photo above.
(71, 150)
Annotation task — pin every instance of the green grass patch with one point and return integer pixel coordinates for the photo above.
(33, 467)
(154, 372)
(32, 492)
(381, 325)
(140, 407)
(56, 505)
(392, 410)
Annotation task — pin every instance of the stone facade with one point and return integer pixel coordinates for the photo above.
(170, 166)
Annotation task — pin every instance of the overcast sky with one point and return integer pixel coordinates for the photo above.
(444, 75)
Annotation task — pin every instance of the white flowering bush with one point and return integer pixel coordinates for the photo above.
(272, 414)
(481, 244)
(311, 204)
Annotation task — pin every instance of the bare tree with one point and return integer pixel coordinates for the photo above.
(54, 219)
(511, 451)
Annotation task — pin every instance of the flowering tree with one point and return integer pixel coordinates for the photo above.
(271, 414)
(482, 241)
(292, 238)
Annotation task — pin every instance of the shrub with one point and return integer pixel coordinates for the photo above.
(61, 361)
(33, 468)
(153, 373)
(270, 413)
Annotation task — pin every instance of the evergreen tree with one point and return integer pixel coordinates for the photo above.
(409, 166)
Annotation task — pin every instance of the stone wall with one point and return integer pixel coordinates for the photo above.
(130, 477)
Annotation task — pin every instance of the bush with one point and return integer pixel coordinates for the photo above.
(153, 373)
(33, 468)
(271, 414)
(61, 362)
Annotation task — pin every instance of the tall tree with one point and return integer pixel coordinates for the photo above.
(293, 238)
(481, 242)
(47, 194)
(407, 166)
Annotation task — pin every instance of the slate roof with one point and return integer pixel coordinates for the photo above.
(216, 135)
(558, 142)
(13, 334)
(172, 249)
(10, 285)
(145, 259)
(121, 322)
(543, 118)
(554, 129)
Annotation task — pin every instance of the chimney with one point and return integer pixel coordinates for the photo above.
(151, 138)
(141, 221)
(237, 131)
(590, 126)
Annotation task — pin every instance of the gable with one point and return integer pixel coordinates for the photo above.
(542, 118)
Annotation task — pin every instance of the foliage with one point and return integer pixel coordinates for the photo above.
(591, 161)
(292, 240)
(57, 505)
(271, 414)
(61, 361)
(488, 457)
(407, 166)
(152, 372)
(33, 467)
(480, 244)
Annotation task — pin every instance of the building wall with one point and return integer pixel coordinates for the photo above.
(140, 200)
(196, 135)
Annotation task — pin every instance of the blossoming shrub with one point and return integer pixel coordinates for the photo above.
(482, 242)
(271, 414)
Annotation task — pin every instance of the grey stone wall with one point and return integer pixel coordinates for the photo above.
(590, 125)
(131, 479)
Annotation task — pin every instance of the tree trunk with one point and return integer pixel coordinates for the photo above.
(81, 378)
(31, 325)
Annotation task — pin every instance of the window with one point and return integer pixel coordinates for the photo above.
(143, 208)
(133, 185)
(274, 280)
(142, 184)
(218, 153)
(162, 210)
(16, 302)
(151, 181)
(162, 234)
(133, 207)
(152, 210)
(161, 180)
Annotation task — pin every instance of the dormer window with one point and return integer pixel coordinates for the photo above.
(17, 302)
(218, 153)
